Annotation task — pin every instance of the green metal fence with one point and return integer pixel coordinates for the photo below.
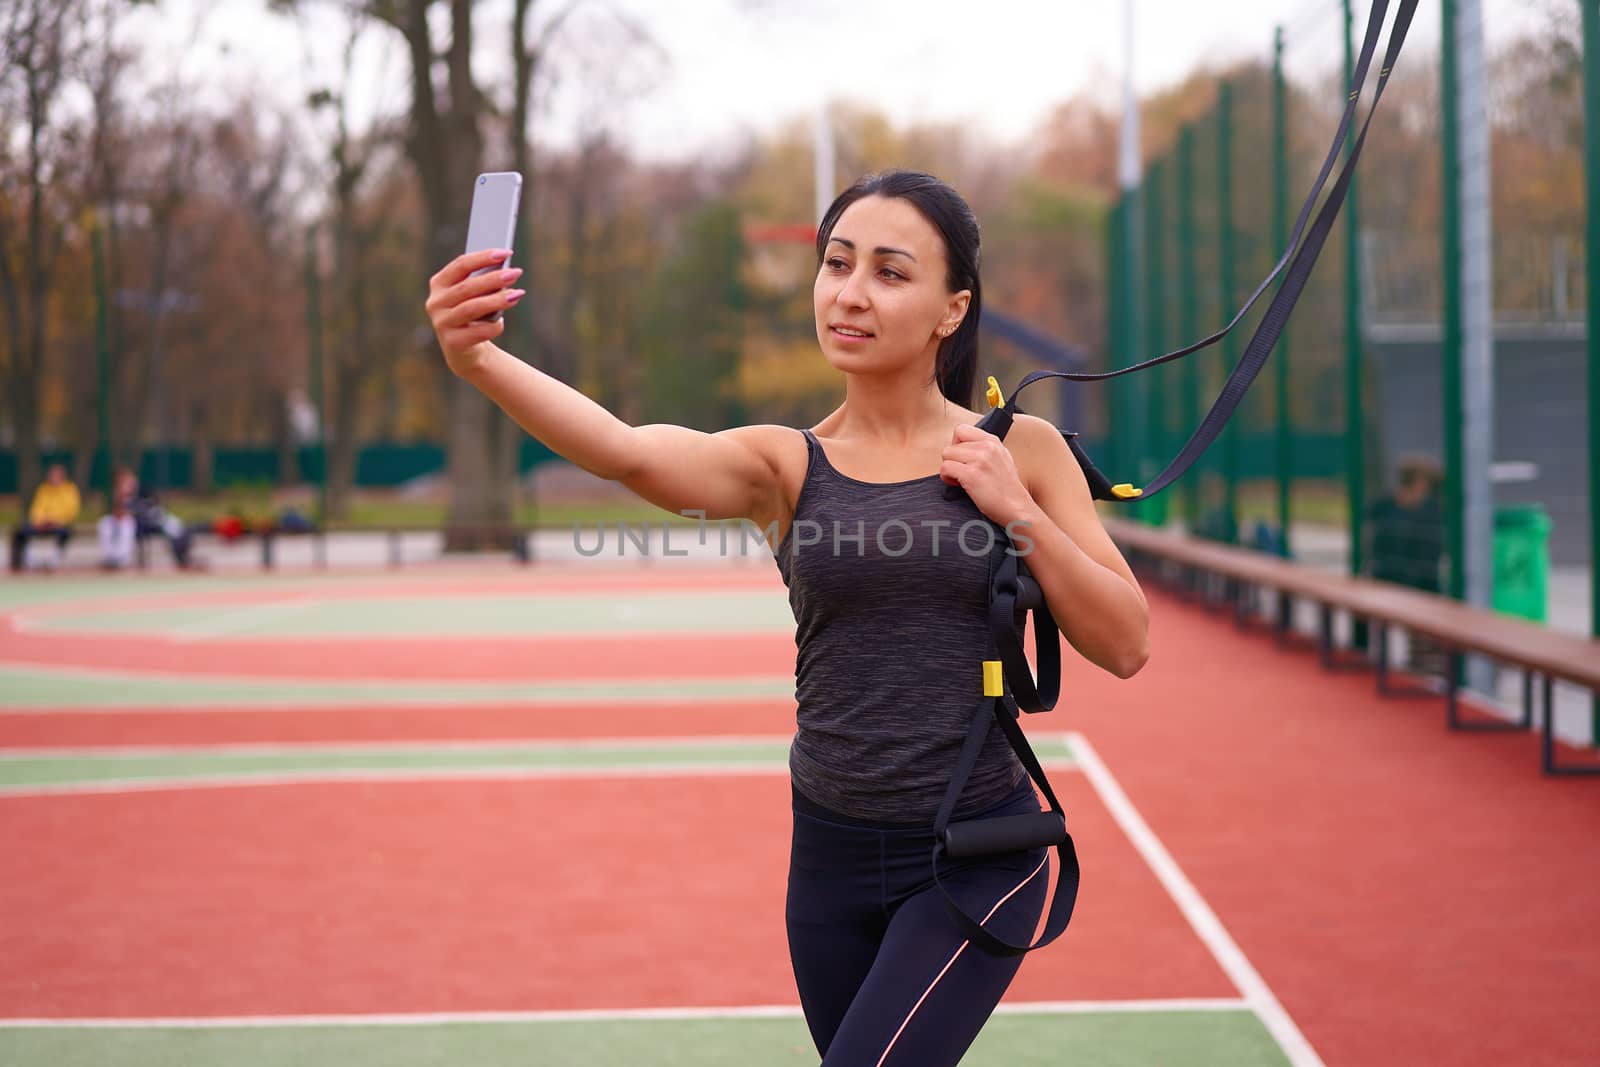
(1377, 354)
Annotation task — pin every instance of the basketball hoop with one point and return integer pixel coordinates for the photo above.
(764, 233)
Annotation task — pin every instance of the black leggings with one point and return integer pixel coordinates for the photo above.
(885, 975)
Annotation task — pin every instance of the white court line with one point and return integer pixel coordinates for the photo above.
(366, 775)
(341, 776)
(229, 622)
(1206, 925)
(769, 1011)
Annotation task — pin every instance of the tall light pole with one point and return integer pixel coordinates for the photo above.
(1591, 141)
(822, 159)
(1127, 415)
(1468, 356)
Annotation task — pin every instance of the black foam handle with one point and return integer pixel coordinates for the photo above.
(1010, 833)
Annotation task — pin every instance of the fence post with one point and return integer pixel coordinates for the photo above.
(1591, 145)
(1188, 315)
(1354, 431)
(1154, 510)
(1225, 285)
(314, 345)
(1115, 442)
(1468, 324)
(102, 358)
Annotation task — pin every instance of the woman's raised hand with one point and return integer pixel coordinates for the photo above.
(459, 305)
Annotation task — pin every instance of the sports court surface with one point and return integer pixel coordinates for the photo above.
(483, 815)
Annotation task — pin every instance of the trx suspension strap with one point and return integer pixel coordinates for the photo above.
(1013, 593)
(1298, 258)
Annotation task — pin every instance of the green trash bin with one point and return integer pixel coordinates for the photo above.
(1522, 561)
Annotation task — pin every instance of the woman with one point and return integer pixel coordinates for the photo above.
(118, 530)
(889, 587)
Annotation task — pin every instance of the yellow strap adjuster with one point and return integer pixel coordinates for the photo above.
(993, 395)
(1126, 491)
(994, 678)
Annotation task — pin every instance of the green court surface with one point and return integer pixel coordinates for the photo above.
(1100, 1039)
(67, 587)
(65, 688)
(314, 761)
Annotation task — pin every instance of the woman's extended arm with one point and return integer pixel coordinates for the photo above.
(728, 474)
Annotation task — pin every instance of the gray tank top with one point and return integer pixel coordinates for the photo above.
(889, 584)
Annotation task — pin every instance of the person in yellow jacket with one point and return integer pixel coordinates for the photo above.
(55, 506)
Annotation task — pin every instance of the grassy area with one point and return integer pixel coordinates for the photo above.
(384, 510)
(374, 512)
(1316, 502)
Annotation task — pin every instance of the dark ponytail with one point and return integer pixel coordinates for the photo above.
(956, 366)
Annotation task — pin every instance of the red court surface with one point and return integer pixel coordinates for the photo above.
(1412, 895)
(448, 659)
(423, 897)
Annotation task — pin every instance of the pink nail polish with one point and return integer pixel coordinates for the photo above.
(513, 295)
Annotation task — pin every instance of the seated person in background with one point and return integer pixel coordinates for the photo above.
(151, 519)
(55, 506)
(118, 529)
(1407, 528)
(135, 515)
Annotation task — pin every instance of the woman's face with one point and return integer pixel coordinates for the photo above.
(880, 297)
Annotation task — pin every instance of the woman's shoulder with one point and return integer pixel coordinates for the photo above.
(1041, 453)
(783, 448)
(1035, 436)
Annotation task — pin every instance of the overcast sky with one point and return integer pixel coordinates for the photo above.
(727, 68)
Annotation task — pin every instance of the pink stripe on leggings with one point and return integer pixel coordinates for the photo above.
(953, 959)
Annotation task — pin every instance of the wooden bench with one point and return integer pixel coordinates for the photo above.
(1540, 653)
(519, 537)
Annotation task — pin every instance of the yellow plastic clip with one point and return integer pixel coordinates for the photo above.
(1126, 491)
(993, 395)
(994, 679)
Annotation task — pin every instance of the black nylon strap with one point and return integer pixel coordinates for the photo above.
(1363, 63)
(1288, 294)
(1012, 594)
(1301, 260)
(1065, 897)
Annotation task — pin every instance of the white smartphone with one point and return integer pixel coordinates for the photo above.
(493, 224)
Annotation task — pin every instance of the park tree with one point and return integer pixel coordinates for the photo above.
(450, 119)
(693, 332)
(41, 38)
(232, 379)
(362, 332)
